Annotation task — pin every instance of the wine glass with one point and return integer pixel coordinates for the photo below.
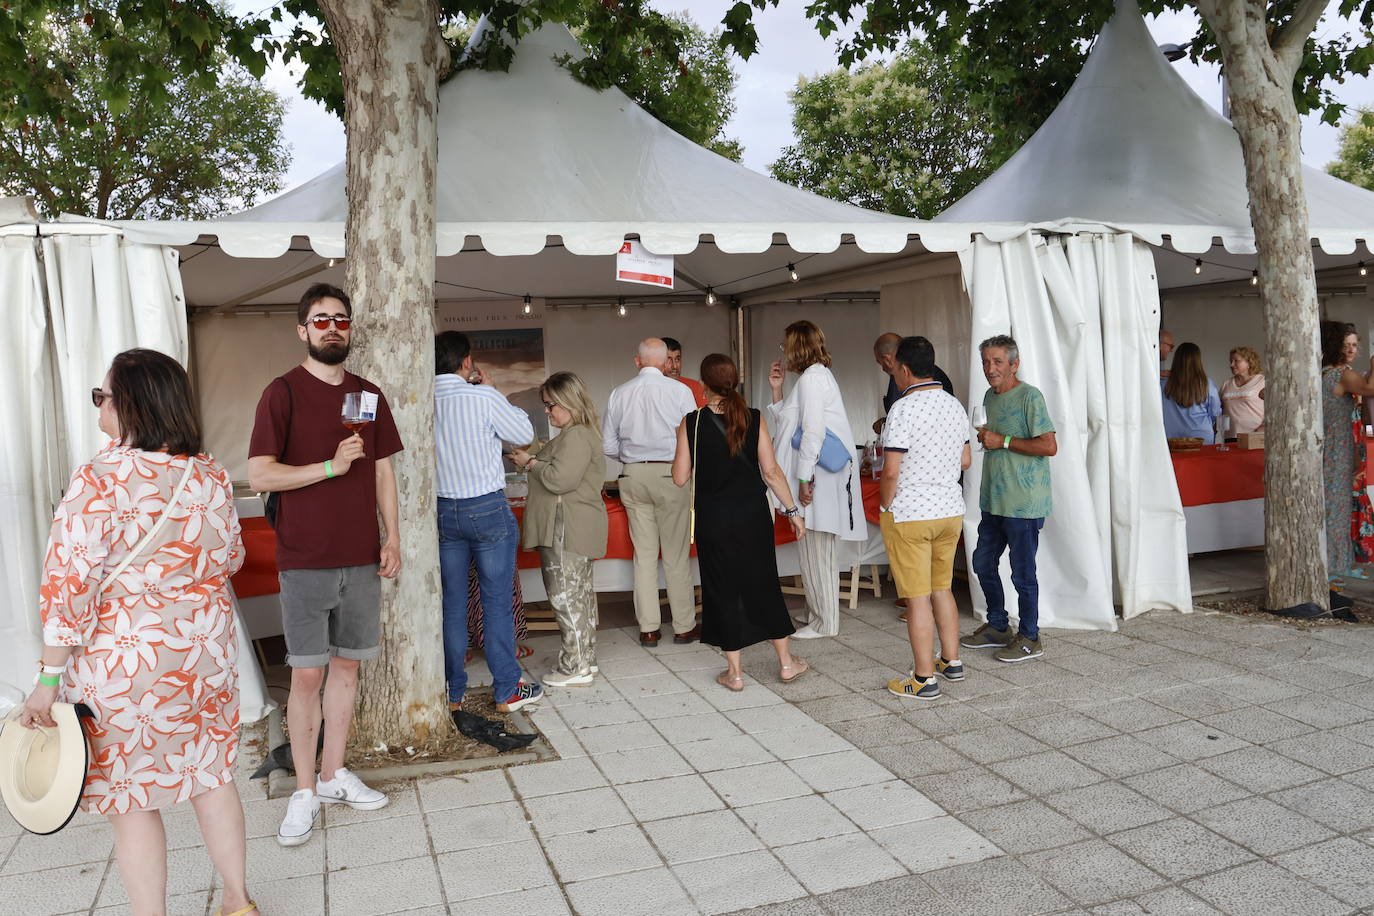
(1223, 430)
(979, 421)
(356, 412)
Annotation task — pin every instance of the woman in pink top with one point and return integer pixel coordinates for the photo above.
(1241, 397)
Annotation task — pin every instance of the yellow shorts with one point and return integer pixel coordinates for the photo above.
(921, 554)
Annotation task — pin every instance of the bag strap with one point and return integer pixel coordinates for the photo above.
(152, 532)
(696, 433)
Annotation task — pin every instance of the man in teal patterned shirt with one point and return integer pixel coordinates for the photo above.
(1015, 500)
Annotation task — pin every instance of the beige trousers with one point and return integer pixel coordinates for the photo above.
(821, 577)
(659, 515)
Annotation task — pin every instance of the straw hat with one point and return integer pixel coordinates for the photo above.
(43, 770)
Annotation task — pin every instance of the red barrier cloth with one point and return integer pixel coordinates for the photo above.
(1208, 476)
(258, 575)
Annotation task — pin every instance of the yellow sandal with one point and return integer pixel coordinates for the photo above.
(241, 912)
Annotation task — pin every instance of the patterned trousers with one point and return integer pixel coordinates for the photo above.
(568, 581)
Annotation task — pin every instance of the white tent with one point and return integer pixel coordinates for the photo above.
(539, 181)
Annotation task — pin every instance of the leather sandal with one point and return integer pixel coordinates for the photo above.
(735, 683)
(797, 669)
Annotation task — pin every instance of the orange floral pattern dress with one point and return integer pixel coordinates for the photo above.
(157, 652)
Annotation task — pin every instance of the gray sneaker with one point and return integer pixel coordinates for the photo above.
(1020, 649)
(985, 637)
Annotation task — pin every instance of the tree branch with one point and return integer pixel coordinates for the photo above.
(1290, 41)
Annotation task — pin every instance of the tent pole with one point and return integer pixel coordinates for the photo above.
(264, 290)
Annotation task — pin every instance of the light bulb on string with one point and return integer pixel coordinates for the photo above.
(792, 272)
(1197, 266)
(331, 262)
(1254, 278)
(1364, 271)
(620, 309)
(710, 296)
(529, 306)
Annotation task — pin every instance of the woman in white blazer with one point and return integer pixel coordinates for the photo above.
(832, 500)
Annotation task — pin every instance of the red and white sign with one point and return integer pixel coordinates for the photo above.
(633, 264)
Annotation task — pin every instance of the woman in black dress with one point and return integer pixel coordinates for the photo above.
(724, 450)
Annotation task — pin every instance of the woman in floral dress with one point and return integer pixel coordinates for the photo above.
(153, 651)
(1349, 518)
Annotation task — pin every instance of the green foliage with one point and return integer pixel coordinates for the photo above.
(192, 36)
(900, 137)
(1025, 54)
(1355, 155)
(168, 143)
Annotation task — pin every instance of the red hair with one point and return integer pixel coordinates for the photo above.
(720, 375)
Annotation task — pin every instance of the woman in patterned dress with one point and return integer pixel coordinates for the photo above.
(1349, 526)
(154, 652)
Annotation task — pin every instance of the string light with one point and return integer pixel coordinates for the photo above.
(1254, 278)
(1364, 271)
(710, 296)
(621, 310)
(792, 272)
(331, 263)
(1197, 266)
(528, 306)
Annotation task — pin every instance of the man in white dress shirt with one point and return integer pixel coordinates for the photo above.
(640, 431)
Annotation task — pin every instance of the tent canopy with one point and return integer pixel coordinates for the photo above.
(1132, 146)
(532, 153)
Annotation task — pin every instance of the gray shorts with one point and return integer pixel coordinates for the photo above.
(328, 612)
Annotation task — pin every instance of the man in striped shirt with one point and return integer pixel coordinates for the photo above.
(471, 420)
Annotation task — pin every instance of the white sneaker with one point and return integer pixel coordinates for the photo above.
(347, 789)
(302, 810)
(559, 679)
(595, 670)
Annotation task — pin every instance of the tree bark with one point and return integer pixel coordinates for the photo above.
(391, 55)
(1260, 78)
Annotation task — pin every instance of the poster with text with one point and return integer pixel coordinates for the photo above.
(508, 345)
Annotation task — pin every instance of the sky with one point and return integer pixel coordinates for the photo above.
(789, 47)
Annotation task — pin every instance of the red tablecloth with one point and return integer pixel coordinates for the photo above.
(1208, 476)
(259, 573)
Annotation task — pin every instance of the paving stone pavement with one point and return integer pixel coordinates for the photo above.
(1200, 763)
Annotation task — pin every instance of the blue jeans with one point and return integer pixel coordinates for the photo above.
(995, 534)
(481, 528)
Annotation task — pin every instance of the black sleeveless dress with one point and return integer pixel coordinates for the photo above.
(741, 603)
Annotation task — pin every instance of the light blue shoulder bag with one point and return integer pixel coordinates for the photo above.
(835, 455)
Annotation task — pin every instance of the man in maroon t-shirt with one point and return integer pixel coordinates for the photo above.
(330, 482)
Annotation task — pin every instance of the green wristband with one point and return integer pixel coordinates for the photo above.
(1007, 443)
(329, 468)
(50, 680)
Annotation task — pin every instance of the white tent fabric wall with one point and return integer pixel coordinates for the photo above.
(103, 295)
(107, 295)
(937, 309)
(29, 478)
(1052, 297)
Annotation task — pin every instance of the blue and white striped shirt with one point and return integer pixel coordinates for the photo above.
(470, 423)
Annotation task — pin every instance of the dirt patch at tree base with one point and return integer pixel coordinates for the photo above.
(1251, 606)
(452, 746)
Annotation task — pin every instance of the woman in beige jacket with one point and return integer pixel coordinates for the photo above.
(565, 518)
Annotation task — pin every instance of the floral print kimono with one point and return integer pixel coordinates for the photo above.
(156, 652)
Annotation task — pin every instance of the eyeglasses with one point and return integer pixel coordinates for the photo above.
(548, 408)
(321, 322)
(98, 396)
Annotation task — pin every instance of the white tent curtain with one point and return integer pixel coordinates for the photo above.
(71, 302)
(30, 480)
(1084, 311)
(107, 295)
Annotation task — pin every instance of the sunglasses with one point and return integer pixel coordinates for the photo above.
(98, 396)
(322, 322)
